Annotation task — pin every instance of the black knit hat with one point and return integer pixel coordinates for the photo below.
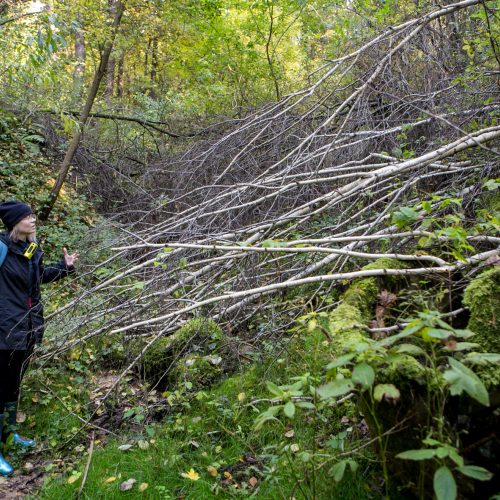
(11, 212)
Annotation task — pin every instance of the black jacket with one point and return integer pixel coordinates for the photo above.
(20, 279)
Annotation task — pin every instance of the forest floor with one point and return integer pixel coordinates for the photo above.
(25, 480)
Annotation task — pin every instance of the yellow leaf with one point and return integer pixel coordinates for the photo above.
(212, 470)
(110, 480)
(74, 477)
(241, 396)
(143, 486)
(192, 474)
(228, 475)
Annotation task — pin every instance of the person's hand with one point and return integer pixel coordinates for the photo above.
(70, 260)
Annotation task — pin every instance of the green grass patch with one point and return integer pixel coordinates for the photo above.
(207, 447)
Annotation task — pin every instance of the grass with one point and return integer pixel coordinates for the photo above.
(212, 432)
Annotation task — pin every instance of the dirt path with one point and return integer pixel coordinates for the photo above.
(24, 481)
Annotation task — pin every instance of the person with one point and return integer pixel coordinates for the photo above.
(21, 312)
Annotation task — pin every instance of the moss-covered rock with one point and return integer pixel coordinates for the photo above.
(346, 322)
(197, 372)
(482, 297)
(346, 326)
(201, 336)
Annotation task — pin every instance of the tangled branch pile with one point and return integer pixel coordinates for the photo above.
(307, 190)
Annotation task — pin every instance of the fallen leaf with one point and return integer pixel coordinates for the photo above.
(228, 475)
(241, 396)
(110, 479)
(294, 448)
(125, 447)
(212, 470)
(253, 482)
(290, 433)
(127, 485)
(74, 478)
(143, 486)
(215, 360)
(21, 417)
(192, 474)
(194, 444)
(28, 466)
(143, 445)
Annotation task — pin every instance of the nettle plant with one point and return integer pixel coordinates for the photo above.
(427, 348)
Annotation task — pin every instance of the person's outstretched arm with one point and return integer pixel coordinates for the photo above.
(54, 272)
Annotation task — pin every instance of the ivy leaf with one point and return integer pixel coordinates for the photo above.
(364, 375)
(445, 487)
(475, 472)
(463, 379)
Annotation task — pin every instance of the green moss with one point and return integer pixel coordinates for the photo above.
(345, 325)
(357, 307)
(197, 372)
(482, 298)
(405, 368)
(199, 335)
(363, 292)
(490, 376)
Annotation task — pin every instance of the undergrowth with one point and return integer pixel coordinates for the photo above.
(208, 446)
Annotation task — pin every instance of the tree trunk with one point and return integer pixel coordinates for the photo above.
(110, 79)
(119, 75)
(75, 141)
(146, 58)
(79, 73)
(154, 66)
